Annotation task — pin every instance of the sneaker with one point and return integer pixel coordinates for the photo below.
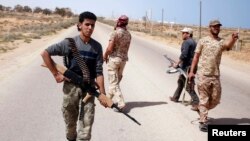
(203, 127)
(194, 108)
(173, 99)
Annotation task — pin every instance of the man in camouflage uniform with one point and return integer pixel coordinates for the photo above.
(116, 56)
(208, 57)
(91, 51)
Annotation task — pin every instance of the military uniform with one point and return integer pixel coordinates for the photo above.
(209, 85)
(116, 64)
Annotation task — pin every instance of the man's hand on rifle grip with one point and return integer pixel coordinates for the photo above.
(59, 77)
(175, 65)
(106, 102)
(171, 65)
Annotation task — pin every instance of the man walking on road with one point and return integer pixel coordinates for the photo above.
(185, 60)
(116, 56)
(91, 52)
(208, 57)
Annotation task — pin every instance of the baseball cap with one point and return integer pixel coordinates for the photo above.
(188, 30)
(214, 22)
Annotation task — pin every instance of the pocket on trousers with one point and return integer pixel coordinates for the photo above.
(66, 102)
(112, 78)
(67, 87)
(111, 66)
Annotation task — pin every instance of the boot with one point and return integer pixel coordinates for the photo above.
(194, 108)
(203, 127)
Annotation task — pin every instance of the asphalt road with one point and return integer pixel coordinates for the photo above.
(30, 99)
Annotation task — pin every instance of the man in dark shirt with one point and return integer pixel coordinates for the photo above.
(185, 60)
(91, 52)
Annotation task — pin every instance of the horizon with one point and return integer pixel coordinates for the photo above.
(231, 13)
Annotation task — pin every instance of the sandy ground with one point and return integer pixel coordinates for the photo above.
(13, 59)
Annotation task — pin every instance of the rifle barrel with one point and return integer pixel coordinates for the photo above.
(169, 59)
(116, 107)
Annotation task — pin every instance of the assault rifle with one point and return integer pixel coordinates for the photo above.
(91, 90)
(181, 71)
(174, 70)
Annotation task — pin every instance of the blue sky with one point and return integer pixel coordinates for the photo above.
(231, 13)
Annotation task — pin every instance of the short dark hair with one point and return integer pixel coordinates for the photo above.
(87, 15)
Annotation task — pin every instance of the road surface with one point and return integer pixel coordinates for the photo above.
(30, 99)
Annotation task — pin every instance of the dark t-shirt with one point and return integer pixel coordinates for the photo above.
(91, 53)
(187, 53)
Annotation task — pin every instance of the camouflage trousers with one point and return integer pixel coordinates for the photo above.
(115, 71)
(70, 108)
(210, 94)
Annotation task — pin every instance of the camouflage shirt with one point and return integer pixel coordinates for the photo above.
(210, 51)
(122, 39)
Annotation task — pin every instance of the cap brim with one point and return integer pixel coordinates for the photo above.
(215, 24)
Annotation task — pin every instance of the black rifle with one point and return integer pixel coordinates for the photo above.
(169, 59)
(182, 72)
(90, 89)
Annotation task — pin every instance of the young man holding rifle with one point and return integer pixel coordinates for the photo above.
(91, 52)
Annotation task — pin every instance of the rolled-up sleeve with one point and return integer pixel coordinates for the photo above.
(112, 36)
(60, 49)
(199, 46)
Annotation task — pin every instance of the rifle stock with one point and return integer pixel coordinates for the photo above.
(61, 69)
(79, 81)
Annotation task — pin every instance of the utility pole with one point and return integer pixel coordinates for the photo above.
(237, 45)
(200, 21)
(162, 18)
(146, 19)
(151, 21)
(112, 15)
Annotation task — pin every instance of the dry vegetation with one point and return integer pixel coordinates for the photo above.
(24, 27)
(170, 34)
(18, 27)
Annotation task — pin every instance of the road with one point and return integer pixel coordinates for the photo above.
(30, 99)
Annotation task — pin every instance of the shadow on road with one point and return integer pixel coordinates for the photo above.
(131, 105)
(232, 121)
